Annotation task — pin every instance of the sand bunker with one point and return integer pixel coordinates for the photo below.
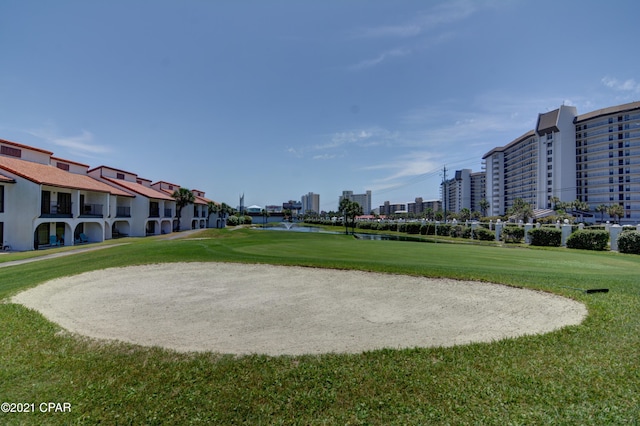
(275, 310)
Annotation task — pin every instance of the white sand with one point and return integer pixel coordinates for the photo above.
(275, 310)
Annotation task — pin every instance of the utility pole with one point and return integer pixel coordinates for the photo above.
(444, 192)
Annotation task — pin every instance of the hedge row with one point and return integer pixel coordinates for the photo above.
(588, 240)
(548, 237)
(592, 239)
(629, 242)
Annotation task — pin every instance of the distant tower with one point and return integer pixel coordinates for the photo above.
(241, 204)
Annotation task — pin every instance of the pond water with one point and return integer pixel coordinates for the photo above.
(360, 236)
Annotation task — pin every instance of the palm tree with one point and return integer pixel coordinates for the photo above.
(484, 205)
(555, 201)
(349, 210)
(212, 208)
(429, 213)
(265, 215)
(464, 215)
(579, 206)
(602, 209)
(616, 211)
(183, 198)
(521, 210)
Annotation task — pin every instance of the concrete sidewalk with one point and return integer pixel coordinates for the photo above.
(56, 255)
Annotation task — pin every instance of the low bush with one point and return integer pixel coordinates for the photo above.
(457, 231)
(443, 229)
(413, 228)
(512, 234)
(547, 237)
(484, 234)
(428, 229)
(629, 242)
(588, 240)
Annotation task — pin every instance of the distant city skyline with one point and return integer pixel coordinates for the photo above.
(279, 99)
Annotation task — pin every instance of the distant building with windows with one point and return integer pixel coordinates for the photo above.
(592, 157)
(363, 199)
(310, 203)
(387, 208)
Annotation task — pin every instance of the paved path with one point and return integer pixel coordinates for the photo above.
(55, 255)
(172, 236)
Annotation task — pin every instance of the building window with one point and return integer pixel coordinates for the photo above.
(120, 176)
(63, 166)
(10, 151)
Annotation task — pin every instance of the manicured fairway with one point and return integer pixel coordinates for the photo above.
(585, 374)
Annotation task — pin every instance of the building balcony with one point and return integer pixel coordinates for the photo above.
(123, 211)
(154, 212)
(55, 210)
(168, 212)
(91, 210)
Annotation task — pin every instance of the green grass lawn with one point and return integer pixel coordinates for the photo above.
(586, 374)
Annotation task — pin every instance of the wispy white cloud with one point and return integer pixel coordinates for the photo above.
(325, 156)
(423, 30)
(629, 85)
(368, 63)
(373, 136)
(443, 14)
(81, 145)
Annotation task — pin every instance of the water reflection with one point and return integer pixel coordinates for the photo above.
(375, 237)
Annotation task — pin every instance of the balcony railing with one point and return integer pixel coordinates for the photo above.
(55, 210)
(91, 210)
(154, 211)
(123, 211)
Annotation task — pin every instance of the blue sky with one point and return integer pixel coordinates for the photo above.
(275, 99)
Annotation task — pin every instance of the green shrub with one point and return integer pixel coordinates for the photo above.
(444, 229)
(363, 225)
(232, 221)
(484, 234)
(428, 229)
(629, 242)
(588, 240)
(247, 220)
(413, 228)
(512, 234)
(402, 227)
(457, 231)
(548, 237)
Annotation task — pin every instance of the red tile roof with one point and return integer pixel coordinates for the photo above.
(203, 200)
(139, 189)
(44, 174)
(19, 145)
(7, 179)
(114, 169)
(69, 161)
